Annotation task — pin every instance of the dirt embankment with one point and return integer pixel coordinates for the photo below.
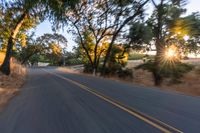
(10, 85)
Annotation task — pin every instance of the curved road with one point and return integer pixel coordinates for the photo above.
(57, 102)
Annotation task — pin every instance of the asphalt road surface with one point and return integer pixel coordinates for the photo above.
(57, 102)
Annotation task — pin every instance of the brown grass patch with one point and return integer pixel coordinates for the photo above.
(189, 85)
(67, 70)
(10, 85)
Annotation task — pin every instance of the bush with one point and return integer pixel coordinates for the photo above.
(173, 71)
(125, 73)
(111, 69)
(87, 68)
(117, 70)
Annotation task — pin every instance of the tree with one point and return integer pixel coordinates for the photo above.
(139, 37)
(32, 8)
(22, 11)
(6, 23)
(165, 14)
(92, 30)
(124, 12)
(48, 45)
(188, 29)
(25, 53)
(74, 57)
(96, 51)
(103, 19)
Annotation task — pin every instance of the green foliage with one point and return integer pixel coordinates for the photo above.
(56, 11)
(87, 68)
(34, 59)
(73, 58)
(9, 18)
(118, 56)
(52, 47)
(44, 47)
(54, 38)
(139, 34)
(118, 70)
(91, 52)
(118, 60)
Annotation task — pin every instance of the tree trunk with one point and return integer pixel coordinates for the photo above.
(159, 55)
(94, 72)
(5, 68)
(108, 54)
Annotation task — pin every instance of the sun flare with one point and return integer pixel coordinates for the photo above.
(171, 52)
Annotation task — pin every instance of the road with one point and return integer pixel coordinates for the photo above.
(56, 102)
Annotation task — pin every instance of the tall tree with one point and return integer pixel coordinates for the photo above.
(23, 10)
(52, 9)
(165, 13)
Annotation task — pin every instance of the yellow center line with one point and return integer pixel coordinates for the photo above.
(136, 113)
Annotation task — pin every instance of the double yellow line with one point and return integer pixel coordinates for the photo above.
(144, 117)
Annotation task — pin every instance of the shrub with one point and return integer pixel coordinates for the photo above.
(125, 73)
(87, 68)
(174, 72)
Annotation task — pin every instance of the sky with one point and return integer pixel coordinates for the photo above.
(45, 27)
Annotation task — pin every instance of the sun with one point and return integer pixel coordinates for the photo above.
(170, 56)
(171, 52)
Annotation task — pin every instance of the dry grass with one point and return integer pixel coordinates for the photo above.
(10, 85)
(67, 70)
(190, 82)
